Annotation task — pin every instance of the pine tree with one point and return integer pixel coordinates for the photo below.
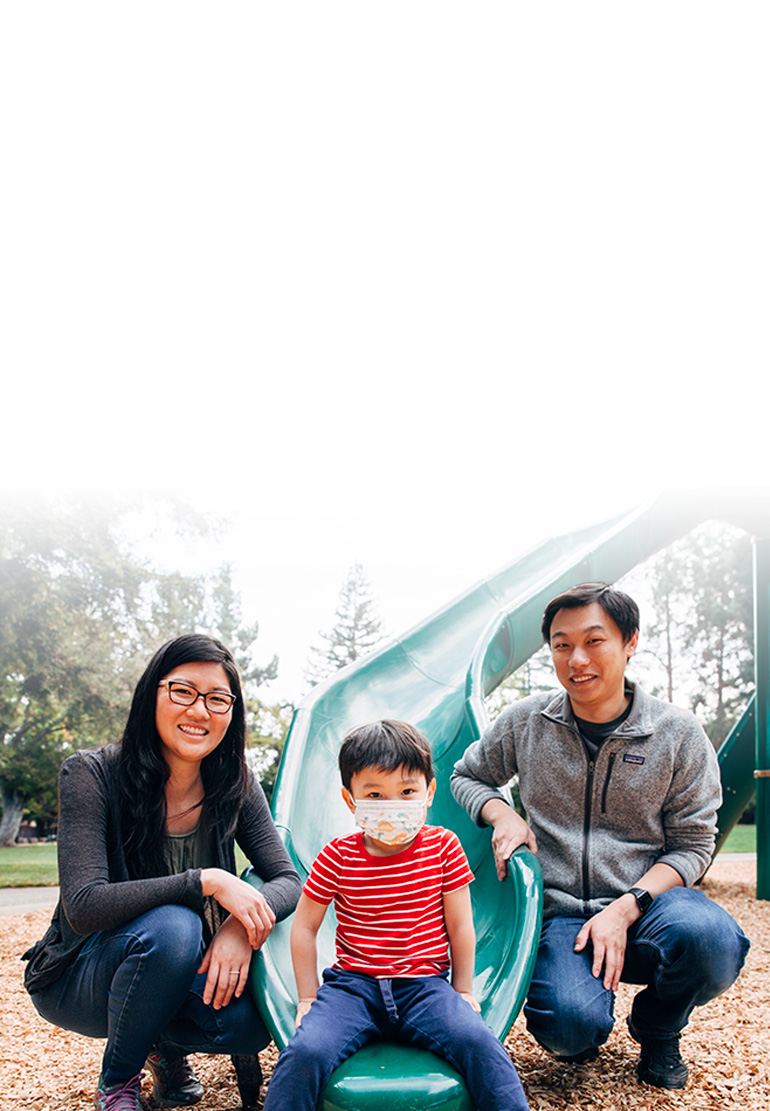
(357, 630)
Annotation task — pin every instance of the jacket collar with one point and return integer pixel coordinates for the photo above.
(637, 724)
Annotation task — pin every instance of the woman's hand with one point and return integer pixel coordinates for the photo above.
(243, 901)
(227, 963)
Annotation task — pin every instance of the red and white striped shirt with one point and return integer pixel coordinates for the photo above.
(390, 909)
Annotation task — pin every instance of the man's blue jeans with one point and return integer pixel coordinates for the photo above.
(686, 950)
(426, 1011)
(137, 985)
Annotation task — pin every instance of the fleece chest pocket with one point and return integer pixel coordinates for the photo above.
(624, 781)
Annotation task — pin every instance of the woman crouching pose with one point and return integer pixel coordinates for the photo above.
(150, 944)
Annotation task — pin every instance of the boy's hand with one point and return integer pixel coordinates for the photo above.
(470, 999)
(303, 1007)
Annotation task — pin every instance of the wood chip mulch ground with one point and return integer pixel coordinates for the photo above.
(727, 1045)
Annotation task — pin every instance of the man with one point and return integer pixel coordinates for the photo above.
(621, 792)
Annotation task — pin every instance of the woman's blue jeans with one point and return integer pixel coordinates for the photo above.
(686, 950)
(138, 986)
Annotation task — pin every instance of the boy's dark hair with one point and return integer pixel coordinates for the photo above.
(386, 745)
(617, 605)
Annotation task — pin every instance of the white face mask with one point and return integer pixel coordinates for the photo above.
(392, 821)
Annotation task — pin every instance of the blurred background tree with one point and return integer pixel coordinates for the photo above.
(356, 631)
(697, 644)
(80, 616)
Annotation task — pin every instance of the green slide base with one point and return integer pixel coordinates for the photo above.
(387, 1077)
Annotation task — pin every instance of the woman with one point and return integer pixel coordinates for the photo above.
(151, 942)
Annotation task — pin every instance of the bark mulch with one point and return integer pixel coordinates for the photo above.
(727, 1045)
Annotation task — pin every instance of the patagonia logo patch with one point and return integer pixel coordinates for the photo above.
(629, 758)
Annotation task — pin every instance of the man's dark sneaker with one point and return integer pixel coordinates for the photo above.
(660, 1062)
(174, 1082)
(123, 1097)
(581, 1058)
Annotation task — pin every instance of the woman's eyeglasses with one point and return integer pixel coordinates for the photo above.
(216, 702)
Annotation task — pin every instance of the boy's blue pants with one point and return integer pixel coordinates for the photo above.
(352, 1009)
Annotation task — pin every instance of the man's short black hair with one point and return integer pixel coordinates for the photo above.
(619, 606)
(386, 745)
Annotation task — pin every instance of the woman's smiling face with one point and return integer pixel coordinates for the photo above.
(190, 733)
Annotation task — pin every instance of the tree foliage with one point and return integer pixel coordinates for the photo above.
(268, 730)
(700, 628)
(535, 675)
(357, 629)
(80, 615)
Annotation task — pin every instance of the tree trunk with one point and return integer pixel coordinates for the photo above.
(13, 809)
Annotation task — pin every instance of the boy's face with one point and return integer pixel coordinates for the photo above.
(398, 785)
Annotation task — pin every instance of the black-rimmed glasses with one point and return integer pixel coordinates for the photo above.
(184, 694)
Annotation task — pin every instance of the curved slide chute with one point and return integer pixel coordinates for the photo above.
(437, 676)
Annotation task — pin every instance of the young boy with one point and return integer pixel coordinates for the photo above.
(400, 890)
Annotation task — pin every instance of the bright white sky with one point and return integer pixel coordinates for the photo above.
(410, 284)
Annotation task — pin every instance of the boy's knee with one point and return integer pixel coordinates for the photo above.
(305, 1057)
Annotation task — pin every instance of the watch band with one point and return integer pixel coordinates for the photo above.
(643, 898)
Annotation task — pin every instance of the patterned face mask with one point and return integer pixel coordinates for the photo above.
(392, 821)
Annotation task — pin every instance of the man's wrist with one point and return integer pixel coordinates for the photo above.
(643, 899)
(494, 809)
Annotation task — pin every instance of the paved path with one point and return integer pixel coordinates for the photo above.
(24, 900)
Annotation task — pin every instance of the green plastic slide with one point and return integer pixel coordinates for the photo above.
(437, 676)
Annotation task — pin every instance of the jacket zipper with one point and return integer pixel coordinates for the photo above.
(587, 830)
(607, 782)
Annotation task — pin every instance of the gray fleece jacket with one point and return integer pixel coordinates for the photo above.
(651, 796)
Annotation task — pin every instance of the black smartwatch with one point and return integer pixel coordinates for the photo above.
(643, 899)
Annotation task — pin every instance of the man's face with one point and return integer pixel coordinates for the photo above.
(590, 656)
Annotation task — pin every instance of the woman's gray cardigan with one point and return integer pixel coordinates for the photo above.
(95, 890)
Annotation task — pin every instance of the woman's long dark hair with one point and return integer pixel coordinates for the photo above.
(144, 772)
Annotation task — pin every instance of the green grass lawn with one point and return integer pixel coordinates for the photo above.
(29, 866)
(35, 865)
(741, 839)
